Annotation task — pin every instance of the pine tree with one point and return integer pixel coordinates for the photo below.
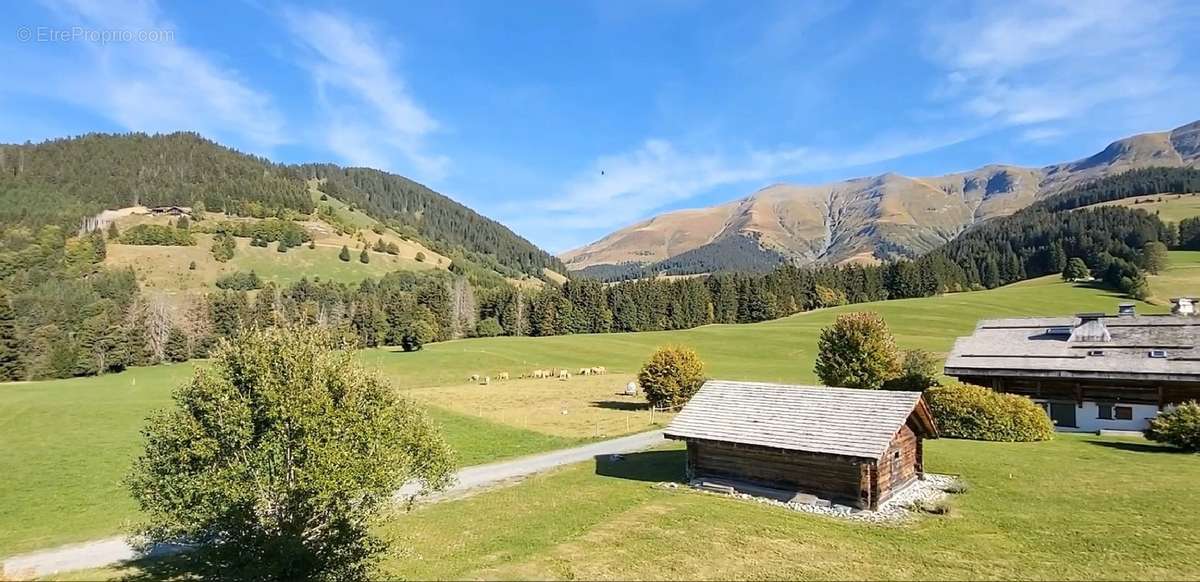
(177, 346)
(345, 254)
(364, 257)
(11, 367)
(113, 232)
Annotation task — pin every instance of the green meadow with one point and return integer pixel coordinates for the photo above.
(67, 443)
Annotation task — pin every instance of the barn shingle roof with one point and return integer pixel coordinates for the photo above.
(815, 419)
(1026, 346)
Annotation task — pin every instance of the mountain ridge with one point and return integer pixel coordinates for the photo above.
(868, 218)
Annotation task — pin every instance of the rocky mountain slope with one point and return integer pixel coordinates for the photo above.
(863, 219)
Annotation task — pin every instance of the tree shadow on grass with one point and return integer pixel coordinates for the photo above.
(1135, 447)
(174, 566)
(652, 466)
(628, 405)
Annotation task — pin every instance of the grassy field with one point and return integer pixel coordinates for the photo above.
(1168, 207)
(1075, 508)
(1182, 279)
(68, 442)
(780, 350)
(583, 407)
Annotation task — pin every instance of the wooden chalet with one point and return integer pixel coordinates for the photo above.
(855, 447)
(1089, 372)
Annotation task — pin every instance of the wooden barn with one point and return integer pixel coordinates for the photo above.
(849, 446)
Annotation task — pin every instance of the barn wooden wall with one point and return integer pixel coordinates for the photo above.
(899, 466)
(827, 476)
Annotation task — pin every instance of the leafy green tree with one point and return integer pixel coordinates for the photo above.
(11, 366)
(671, 376)
(420, 332)
(920, 370)
(183, 223)
(1076, 270)
(857, 351)
(364, 257)
(345, 254)
(276, 459)
(1154, 257)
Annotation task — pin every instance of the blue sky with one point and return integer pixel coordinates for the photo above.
(568, 119)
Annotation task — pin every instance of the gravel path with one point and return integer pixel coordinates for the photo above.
(100, 553)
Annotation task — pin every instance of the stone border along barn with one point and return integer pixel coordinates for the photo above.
(848, 446)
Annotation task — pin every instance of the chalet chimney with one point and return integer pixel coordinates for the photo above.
(1183, 305)
(1090, 328)
(1126, 310)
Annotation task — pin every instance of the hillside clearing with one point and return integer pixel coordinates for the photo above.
(1168, 207)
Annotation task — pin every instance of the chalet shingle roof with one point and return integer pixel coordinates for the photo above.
(1002, 346)
(816, 419)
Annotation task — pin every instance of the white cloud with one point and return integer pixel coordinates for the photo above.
(619, 189)
(158, 85)
(372, 118)
(1031, 62)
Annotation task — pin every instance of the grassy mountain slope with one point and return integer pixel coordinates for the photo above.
(866, 219)
(64, 181)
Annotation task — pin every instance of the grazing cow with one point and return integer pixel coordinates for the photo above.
(486, 380)
(564, 375)
(502, 376)
(585, 371)
(474, 378)
(599, 370)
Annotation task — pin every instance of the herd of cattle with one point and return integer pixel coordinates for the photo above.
(560, 373)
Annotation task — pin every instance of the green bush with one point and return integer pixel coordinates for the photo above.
(919, 371)
(973, 412)
(488, 327)
(671, 376)
(240, 281)
(1178, 427)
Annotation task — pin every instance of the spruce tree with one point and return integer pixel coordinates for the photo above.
(11, 367)
(345, 254)
(113, 232)
(363, 257)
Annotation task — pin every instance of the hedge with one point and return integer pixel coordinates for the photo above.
(973, 412)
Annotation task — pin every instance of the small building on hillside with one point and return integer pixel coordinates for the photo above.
(849, 446)
(1089, 372)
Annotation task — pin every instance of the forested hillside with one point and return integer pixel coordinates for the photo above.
(62, 181)
(411, 206)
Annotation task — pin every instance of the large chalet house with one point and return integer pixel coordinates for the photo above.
(1092, 371)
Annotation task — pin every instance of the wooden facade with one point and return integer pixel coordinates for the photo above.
(854, 481)
(1158, 392)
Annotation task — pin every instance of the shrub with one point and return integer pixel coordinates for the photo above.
(240, 281)
(1178, 427)
(420, 257)
(488, 327)
(363, 257)
(192, 266)
(276, 459)
(671, 376)
(973, 412)
(345, 254)
(957, 487)
(941, 506)
(857, 351)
